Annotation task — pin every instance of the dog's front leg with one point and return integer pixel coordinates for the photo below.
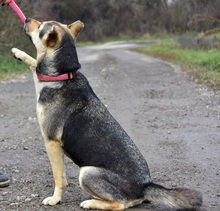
(56, 157)
(22, 56)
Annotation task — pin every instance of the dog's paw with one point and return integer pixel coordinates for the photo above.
(102, 205)
(86, 204)
(18, 54)
(92, 204)
(51, 201)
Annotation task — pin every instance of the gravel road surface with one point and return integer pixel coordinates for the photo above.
(174, 122)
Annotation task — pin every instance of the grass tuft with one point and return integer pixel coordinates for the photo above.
(10, 69)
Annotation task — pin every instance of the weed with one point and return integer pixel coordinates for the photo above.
(9, 69)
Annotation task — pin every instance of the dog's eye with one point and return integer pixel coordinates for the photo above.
(39, 26)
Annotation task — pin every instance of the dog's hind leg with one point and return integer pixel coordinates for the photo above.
(97, 183)
(56, 157)
(22, 56)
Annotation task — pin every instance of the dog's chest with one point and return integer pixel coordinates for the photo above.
(50, 124)
(41, 115)
(46, 109)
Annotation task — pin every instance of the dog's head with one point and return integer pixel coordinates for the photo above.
(55, 44)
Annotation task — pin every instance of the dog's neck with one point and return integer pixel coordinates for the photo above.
(59, 66)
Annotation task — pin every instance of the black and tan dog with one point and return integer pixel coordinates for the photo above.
(75, 122)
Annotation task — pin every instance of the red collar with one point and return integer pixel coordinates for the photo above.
(62, 77)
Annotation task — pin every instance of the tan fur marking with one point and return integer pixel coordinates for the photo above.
(102, 205)
(56, 157)
(52, 37)
(75, 28)
(133, 203)
(34, 25)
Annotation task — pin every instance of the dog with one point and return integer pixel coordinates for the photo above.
(74, 122)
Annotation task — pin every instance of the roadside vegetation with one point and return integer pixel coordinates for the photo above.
(199, 56)
(10, 69)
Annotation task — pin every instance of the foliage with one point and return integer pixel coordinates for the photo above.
(203, 65)
(115, 18)
(197, 42)
(9, 69)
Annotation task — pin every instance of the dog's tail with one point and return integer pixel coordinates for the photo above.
(179, 198)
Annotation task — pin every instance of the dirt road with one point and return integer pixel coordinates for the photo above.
(174, 122)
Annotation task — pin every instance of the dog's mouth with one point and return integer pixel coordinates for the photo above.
(31, 25)
(26, 26)
(27, 31)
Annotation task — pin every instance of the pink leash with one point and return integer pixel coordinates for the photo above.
(15, 7)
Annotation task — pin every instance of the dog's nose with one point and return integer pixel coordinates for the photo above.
(27, 20)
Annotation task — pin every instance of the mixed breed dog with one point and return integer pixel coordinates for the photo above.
(74, 122)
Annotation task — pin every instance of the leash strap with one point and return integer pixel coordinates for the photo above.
(15, 7)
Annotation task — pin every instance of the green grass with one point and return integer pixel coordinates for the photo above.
(203, 65)
(10, 69)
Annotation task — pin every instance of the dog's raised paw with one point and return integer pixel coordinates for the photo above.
(18, 54)
(50, 201)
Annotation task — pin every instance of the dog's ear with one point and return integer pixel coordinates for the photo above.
(52, 37)
(75, 28)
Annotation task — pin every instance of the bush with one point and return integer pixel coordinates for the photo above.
(192, 41)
